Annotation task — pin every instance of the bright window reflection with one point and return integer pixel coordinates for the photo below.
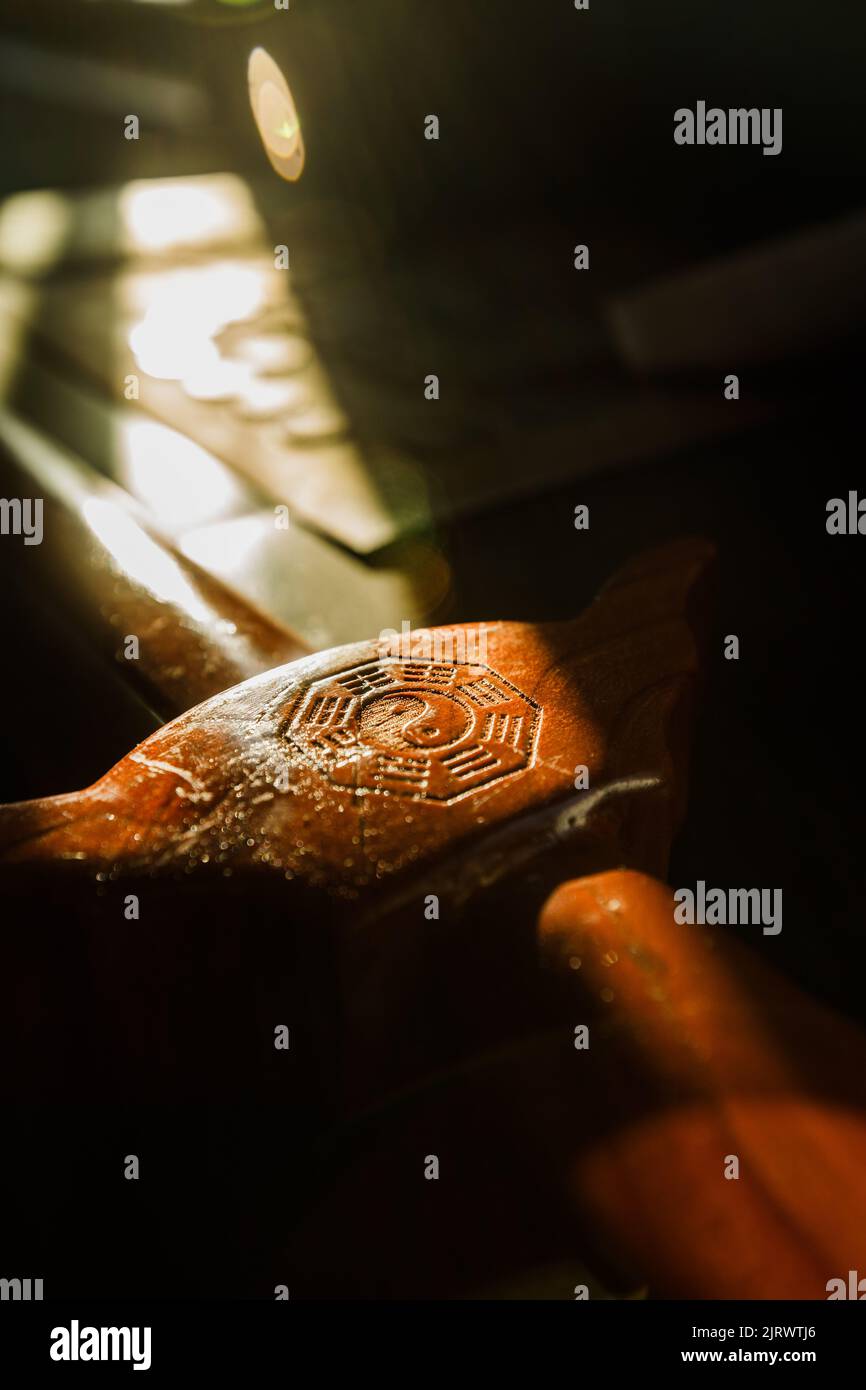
(141, 558)
(160, 215)
(185, 309)
(33, 230)
(179, 482)
(233, 549)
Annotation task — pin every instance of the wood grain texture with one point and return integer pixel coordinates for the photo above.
(284, 860)
(607, 690)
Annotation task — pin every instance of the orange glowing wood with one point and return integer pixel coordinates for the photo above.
(604, 1166)
(699, 1051)
(287, 832)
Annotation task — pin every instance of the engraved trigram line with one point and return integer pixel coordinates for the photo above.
(468, 762)
(441, 674)
(403, 768)
(328, 710)
(334, 741)
(362, 682)
(503, 728)
(483, 692)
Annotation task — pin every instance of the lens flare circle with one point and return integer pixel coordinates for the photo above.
(275, 116)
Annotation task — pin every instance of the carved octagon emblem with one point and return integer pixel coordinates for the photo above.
(426, 729)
